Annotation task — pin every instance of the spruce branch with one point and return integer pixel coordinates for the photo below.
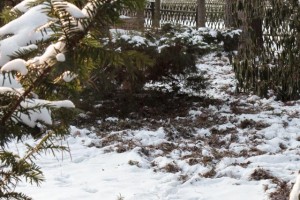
(21, 98)
(93, 8)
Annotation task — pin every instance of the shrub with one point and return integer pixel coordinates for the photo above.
(268, 59)
(155, 55)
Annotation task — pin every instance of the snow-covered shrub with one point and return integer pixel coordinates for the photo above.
(173, 51)
(178, 50)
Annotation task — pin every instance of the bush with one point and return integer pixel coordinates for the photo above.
(154, 56)
(268, 60)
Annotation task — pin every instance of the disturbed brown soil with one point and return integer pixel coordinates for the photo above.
(147, 109)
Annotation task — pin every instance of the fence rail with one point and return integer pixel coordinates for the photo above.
(178, 13)
(185, 13)
(215, 14)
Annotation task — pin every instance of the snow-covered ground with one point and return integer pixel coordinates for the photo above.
(243, 149)
(90, 173)
(93, 174)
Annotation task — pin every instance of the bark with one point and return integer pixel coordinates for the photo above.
(230, 14)
(256, 26)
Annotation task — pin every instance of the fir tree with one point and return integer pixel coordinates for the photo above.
(68, 42)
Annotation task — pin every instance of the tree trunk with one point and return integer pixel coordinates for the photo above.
(251, 21)
(230, 14)
(256, 25)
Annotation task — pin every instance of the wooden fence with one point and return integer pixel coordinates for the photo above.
(193, 13)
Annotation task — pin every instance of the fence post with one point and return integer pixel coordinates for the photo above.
(156, 17)
(201, 13)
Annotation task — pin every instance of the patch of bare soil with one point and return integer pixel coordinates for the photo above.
(150, 109)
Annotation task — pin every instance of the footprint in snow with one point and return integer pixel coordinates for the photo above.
(110, 179)
(79, 160)
(63, 180)
(90, 190)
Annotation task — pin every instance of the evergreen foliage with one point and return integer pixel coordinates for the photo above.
(268, 57)
(74, 38)
(153, 56)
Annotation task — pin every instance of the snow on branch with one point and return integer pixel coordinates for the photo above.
(32, 27)
(22, 32)
(50, 54)
(24, 5)
(18, 65)
(38, 111)
(18, 91)
(70, 8)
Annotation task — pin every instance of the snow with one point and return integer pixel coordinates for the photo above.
(88, 8)
(70, 8)
(74, 11)
(124, 17)
(51, 52)
(150, 138)
(68, 76)
(136, 40)
(61, 104)
(23, 6)
(89, 173)
(60, 57)
(22, 32)
(18, 65)
(28, 48)
(8, 80)
(41, 113)
(94, 169)
(295, 193)
(112, 119)
(10, 90)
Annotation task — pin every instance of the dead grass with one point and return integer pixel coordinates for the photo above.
(194, 161)
(247, 123)
(282, 192)
(261, 174)
(171, 168)
(210, 174)
(239, 108)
